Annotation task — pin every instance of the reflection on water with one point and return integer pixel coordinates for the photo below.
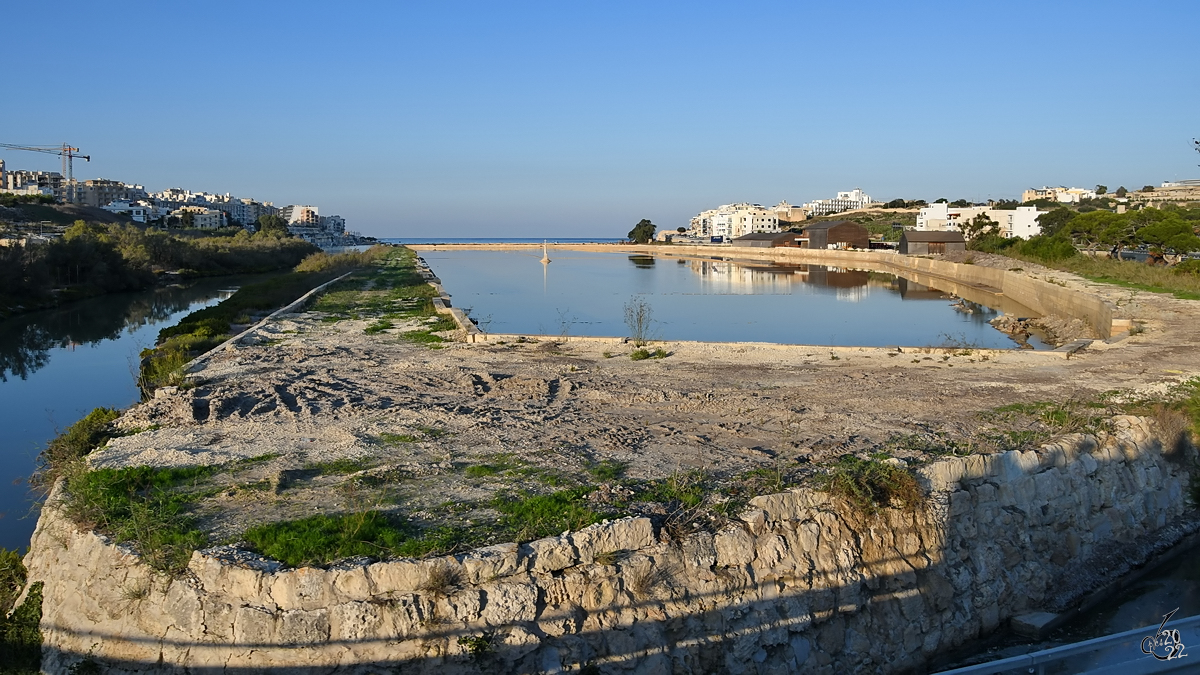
(717, 300)
(57, 365)
(26, 340)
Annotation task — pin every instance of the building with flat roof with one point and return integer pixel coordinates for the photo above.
(845, 201)
(731, 221)
(941, 217)
(1064, 195)
(914, 242)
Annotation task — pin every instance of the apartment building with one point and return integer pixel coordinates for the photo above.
(101, 192)
(1020, 222)
(202, 218)
(731, 221)
(32, 182)
(786, 213)
(1063, 195)
(141, 211)
(845, 201)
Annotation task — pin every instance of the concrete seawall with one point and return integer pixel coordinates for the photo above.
(796, 583)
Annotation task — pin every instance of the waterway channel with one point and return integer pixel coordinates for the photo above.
(714, 300)
(57, 365)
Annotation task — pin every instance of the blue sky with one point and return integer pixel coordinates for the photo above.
(578, 119)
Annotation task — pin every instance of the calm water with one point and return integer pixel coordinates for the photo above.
(57, 365)
(584, 293)
(500, 240)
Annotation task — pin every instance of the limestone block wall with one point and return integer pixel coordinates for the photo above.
(797, 584)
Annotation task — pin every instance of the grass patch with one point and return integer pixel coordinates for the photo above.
(144, 506)
(423, 337)
(869, 484)
(340, 467)
(379, 327)
(608, 470)
(482, 470)
(526, 516)
(322, 539)
(77, 440)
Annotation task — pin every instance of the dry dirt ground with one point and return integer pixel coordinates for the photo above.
(414, 420)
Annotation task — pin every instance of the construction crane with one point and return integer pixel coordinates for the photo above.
(65, 151)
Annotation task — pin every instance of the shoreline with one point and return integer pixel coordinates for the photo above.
(300, 390)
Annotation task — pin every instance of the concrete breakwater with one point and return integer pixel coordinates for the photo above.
(798, 583)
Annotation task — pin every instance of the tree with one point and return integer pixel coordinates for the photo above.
(961, 203)
(1121, 191)
(895, 204)
(273, 226)
(1053, 222)
(1165, 231)
(681, 230)
(1147, 188)
(977, 227)
(1101, 189)
(642, 233)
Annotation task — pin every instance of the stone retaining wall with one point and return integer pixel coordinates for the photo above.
(797, 584)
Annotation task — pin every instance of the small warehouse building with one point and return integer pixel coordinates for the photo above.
(913, 242)
(835, 234)
(767, 239)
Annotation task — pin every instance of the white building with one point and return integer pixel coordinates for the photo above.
(845, 201)
(202, 218)
(731, 221)
(1020, 222)
(142, 211)
(1063, 195)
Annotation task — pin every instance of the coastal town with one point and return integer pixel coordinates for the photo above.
(169, 208)
(600, 339)
(917, 226)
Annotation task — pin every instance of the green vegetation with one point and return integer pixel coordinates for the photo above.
(341, 466)
(608, 470)
(642, 233)
(79, 439)
(91, 259)
(206, 328)
(868, 484)
(322, 539)
(1166, 231)
(20, 633)
(528, 516)
(145, 506)
(643, 354)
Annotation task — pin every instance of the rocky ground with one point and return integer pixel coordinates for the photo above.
(341, 419)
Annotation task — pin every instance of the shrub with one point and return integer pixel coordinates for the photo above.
(79, 439)
(869, 484)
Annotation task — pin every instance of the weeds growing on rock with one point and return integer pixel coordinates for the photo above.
(441, 579)
(869, 484)
(78, 440)
(145, 506)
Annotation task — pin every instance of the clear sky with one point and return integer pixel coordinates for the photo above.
(579, 118)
